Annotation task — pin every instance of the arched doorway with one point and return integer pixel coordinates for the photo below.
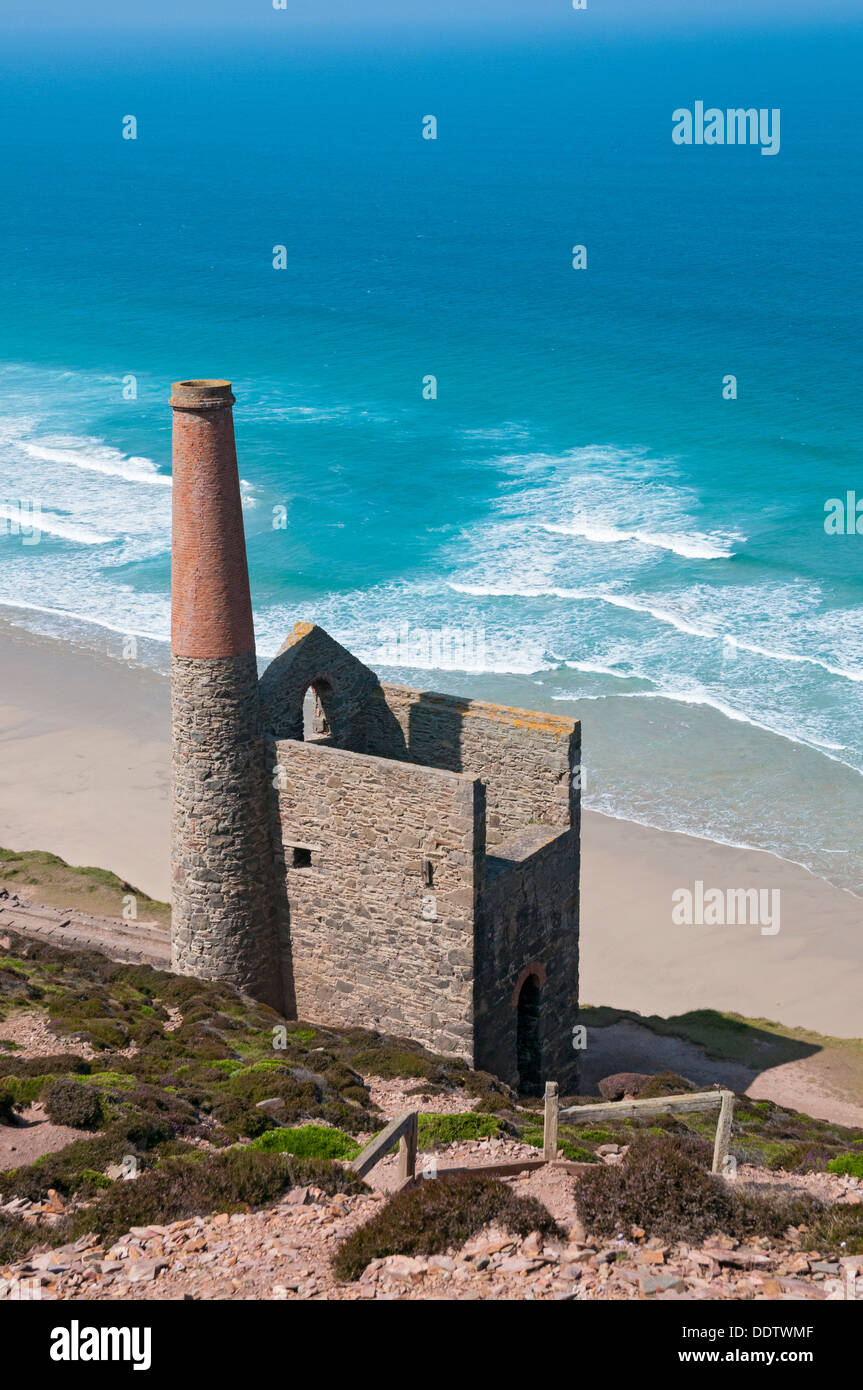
(529, 1052)
(317, 712)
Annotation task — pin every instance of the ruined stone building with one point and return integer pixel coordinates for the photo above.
(396, 859)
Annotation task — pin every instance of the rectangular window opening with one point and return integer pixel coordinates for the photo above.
(301, 857)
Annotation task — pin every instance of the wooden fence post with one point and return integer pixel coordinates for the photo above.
(723, 1130)
(549, 1129)
(408, 1150)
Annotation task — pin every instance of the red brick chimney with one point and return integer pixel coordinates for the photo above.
(224, 917)
(211, 610)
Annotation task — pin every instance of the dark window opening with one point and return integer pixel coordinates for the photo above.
(428, 873)
(302, 858)
(527, 1038)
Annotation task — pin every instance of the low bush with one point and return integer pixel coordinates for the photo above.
(230, 1181)
(75, 1104)
(839, 1230)
(574, 1152)
(16, 1238)
(492, 1094)
(439, 1215)
(596, 1136)
(453, 1129)
(55, 1064)
(805, 1157)
(663, 1186)
(379, 1059)
(240, 1118)
(664, 1083)
(25, 1090)
(308, 1141)
(851, 1164)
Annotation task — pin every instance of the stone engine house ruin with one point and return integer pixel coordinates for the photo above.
(354, 852)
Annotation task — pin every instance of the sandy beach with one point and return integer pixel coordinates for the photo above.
(85, 774)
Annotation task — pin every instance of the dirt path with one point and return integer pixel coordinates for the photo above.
(34, 1136)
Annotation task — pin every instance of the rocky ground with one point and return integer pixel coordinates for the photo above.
(285, 1253)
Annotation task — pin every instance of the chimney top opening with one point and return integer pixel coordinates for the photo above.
(205, 381)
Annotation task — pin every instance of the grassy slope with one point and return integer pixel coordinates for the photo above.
(45, 878)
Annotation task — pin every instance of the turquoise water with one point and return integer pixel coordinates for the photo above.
(579, 521)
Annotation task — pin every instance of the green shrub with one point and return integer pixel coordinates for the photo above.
(25, 1090)
(453, 1129)
(340, 1076)
(847, 1163)
(574, 1153)
(492, 1094)
(112, 1081)
(92, 1181)
(663, 1186)
(359, 1094)
(439, 1215)
(71, 1103)
(308, 1141)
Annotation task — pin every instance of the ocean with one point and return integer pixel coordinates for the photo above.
(482, 469)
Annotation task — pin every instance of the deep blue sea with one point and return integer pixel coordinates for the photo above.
(579, 521)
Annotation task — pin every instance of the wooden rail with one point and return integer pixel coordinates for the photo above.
(723, 1101)
(402, 1131)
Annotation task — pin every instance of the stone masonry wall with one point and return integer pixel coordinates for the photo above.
(525, 759)
(528, 917)
(224, 919)
(365, 941)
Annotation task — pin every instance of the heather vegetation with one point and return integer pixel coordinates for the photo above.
(203, 1058)
(664, 1187)
(198, 1184)
(437, 1216)
(180, 1068)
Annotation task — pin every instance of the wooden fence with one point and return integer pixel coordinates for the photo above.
(404, 1131)
(722, 1101)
